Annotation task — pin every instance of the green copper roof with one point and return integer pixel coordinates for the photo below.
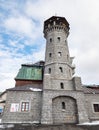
(30, 73)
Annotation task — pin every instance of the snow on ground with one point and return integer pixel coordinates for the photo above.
(6, 126)
(90, 123)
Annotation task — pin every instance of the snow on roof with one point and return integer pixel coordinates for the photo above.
(35, 89)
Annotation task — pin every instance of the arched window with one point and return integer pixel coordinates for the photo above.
(62, 85)
(59, 54)
(63, 105)
(49, 70)
(61, 69)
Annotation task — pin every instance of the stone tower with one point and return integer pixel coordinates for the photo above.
(58, 63)
(59, 86)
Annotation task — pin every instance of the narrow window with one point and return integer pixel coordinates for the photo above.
(25, 106)
(49, 70)
(63, 105)
(50, 54)
(62, 85)
(59, 54)
(58, 39)
(61, 69)
(50, 39)
(96, 107)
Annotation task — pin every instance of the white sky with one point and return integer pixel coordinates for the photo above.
(22, 41)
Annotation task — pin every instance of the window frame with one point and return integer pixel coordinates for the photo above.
(26, 107)
(95, 103)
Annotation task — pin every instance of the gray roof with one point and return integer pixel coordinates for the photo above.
(31, 87)
(26, 87)
(91, 90)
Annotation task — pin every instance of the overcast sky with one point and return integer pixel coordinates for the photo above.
(22, 41)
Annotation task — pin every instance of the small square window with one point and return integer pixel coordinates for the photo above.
(96, 107)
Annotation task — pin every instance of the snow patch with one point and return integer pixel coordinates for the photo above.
(7, 126)
(35, 122)
(35, 89)
(90, 123)
(47, 74)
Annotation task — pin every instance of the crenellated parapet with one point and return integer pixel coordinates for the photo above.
(56, 24)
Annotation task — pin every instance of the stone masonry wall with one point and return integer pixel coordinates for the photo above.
(64, 110)
(90, 100)
(54, 83)
(48, 97)
(33, 115)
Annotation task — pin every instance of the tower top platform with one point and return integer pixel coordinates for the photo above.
(57, 21)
